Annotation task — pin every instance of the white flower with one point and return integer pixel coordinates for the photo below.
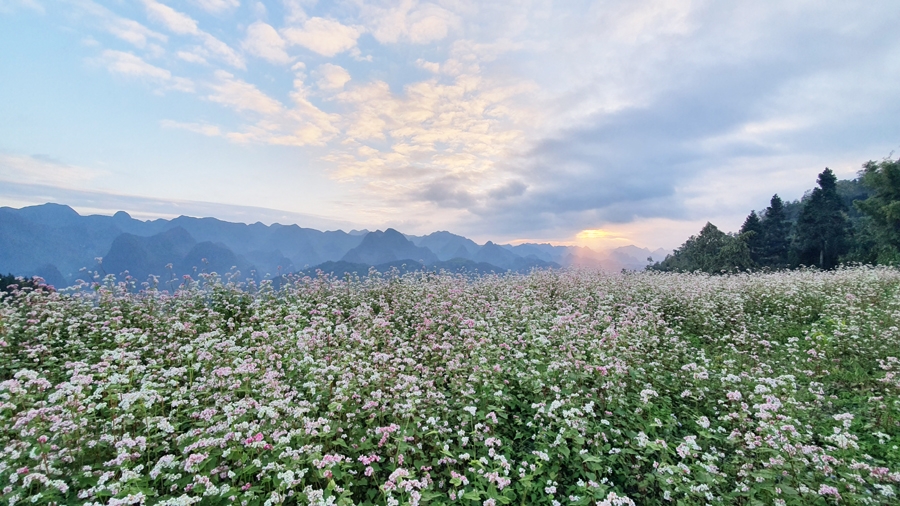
(648, 394)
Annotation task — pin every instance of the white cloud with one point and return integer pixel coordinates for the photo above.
(11, 5)
(429, 23)
(192, 56)
(294, 13)
(199, 128)
(217, 6)
(446, 142)
(182, 24)
(299, 123)
(130, 65)
(259, 9)
(263, 41)
(241, 95)
(133, 32)
(44, 170)
(123, 28)
(419, 23)
(222, 50)
(652, 19)
(429, 66)
(324, 36)
(332, 77)
(175, 21)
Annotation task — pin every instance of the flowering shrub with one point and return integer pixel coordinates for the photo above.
(551, 388)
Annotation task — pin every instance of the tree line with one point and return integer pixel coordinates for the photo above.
(837, 222)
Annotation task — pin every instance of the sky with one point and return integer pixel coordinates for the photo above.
(599, 123)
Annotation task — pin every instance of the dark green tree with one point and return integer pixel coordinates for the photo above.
(776, 230)
(823, 230)
(711, 251)
(882, 208)
(752, 231)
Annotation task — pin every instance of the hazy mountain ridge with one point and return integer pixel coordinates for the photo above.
(55, 242)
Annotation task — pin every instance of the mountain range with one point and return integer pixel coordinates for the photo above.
(56, 243)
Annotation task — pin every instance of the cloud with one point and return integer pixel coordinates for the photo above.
(199, 128)
(12, 5)
(332, 77)
(241, 95)
(435, 144)
(299, 124)
(263, 41)
(42, 169)
(85, 201)
(130, 65)
(683, 111)
(294, 12)
(429, 66)
(710, 134)
(191, 56)
(133, 32)
(323, 36)
(530, 118)
(410, 21)
(182, 24)
(175, 21)
(222, 50)
(123, 28)
(217, 6)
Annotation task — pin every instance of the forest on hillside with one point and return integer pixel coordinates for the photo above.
(837, 222)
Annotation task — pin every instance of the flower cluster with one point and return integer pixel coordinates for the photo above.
(569, 387)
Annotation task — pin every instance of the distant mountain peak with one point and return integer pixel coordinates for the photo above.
(55, 241)
(388, 246)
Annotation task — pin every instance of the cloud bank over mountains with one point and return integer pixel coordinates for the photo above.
(498, 119)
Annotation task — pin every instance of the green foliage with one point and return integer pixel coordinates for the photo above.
(823, 229)
(712, 251)
(752, 229)
(846, 221)
(776, 235)
(882, 208)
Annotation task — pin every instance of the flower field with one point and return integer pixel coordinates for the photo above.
(550, 388)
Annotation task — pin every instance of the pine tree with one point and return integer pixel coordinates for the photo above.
(752, 233)
(823, 229)
(775, 235)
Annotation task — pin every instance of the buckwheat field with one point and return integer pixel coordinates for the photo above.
(562, 388)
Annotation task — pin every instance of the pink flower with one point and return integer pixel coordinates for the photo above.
(366, 460)
(829, 490)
